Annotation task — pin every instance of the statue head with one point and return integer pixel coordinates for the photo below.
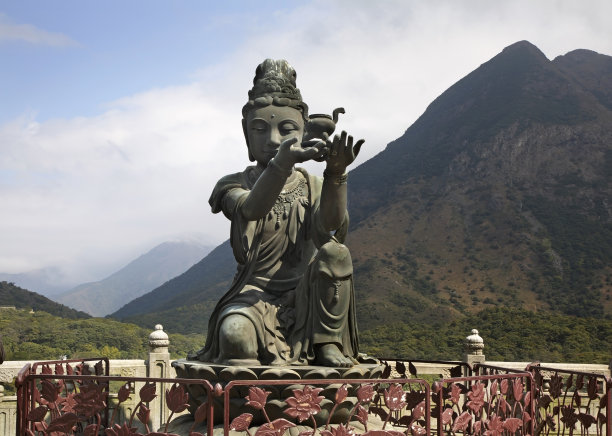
(274, 85)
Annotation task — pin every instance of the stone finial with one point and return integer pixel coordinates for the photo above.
(474, 343)
(158, 339)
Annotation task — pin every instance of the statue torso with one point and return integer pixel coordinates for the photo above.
(286, 245)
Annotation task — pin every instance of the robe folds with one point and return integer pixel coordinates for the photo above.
(276, 283)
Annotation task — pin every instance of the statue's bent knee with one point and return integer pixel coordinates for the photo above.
(237, 338)
(334, 270)
(334, 262)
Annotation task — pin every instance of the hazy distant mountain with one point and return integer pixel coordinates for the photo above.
(500, 194)
(188, 298)
(45, 281)
(12, 295)
(140, 276)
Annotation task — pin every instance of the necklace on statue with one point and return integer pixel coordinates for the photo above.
(285, 200)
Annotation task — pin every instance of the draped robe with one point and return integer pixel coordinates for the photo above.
(275, 285)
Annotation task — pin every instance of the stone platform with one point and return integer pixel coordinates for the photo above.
(276, 401)
(183, 426)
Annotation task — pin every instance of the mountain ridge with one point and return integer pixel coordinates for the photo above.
(432, 147)
(217, 266)
(149, 270)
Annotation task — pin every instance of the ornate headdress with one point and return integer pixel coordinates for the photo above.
(274, 83)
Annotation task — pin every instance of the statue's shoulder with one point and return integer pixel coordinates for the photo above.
(230, 180)
(224, 184)
(244, 179)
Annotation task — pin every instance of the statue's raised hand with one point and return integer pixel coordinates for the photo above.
(341, 152)
(291, 151)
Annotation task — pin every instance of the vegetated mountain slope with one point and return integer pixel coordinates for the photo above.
(499, 194)
(483, 114)
(592, 70)
(148, 271)
(11, 295)
(510, 334)
(42, 336)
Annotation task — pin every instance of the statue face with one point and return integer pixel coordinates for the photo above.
(266, 127)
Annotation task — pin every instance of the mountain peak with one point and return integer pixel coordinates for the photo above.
(583, 61)
(520, 57)
(524, 47)
(592, 70)
(517, 87)
(580, 55)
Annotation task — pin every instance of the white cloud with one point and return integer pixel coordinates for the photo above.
(26, 32)
(92, 192)
(84, 188)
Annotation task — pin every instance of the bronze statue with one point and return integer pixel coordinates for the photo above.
(292, 299)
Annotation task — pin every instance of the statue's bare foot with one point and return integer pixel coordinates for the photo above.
(330, 355)
(240, 362)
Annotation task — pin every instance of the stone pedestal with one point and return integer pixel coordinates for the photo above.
(276, 401)
(183, 426)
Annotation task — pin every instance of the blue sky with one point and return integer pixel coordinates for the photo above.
(117, 117)
(74, 56)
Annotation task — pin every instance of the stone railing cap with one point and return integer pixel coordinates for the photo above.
(159, 338)
(474, 341)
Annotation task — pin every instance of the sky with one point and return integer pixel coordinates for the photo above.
(117, 118)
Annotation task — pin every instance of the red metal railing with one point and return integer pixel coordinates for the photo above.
(567, 399)
(72, 402)
(404, 367)
(487, 404)
(25, 386)
(397, 403)
(484, 369)
(64, 397)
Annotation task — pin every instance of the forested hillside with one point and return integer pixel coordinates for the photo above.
(497, 195)
(42, 336)
(509, 335)
(11, 295)
(35, 328)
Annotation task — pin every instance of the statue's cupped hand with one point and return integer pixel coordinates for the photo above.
(291, 151)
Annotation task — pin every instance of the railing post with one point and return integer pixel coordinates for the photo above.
(473, 349)
(157, 366)
(608, 387)
(5, 426)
